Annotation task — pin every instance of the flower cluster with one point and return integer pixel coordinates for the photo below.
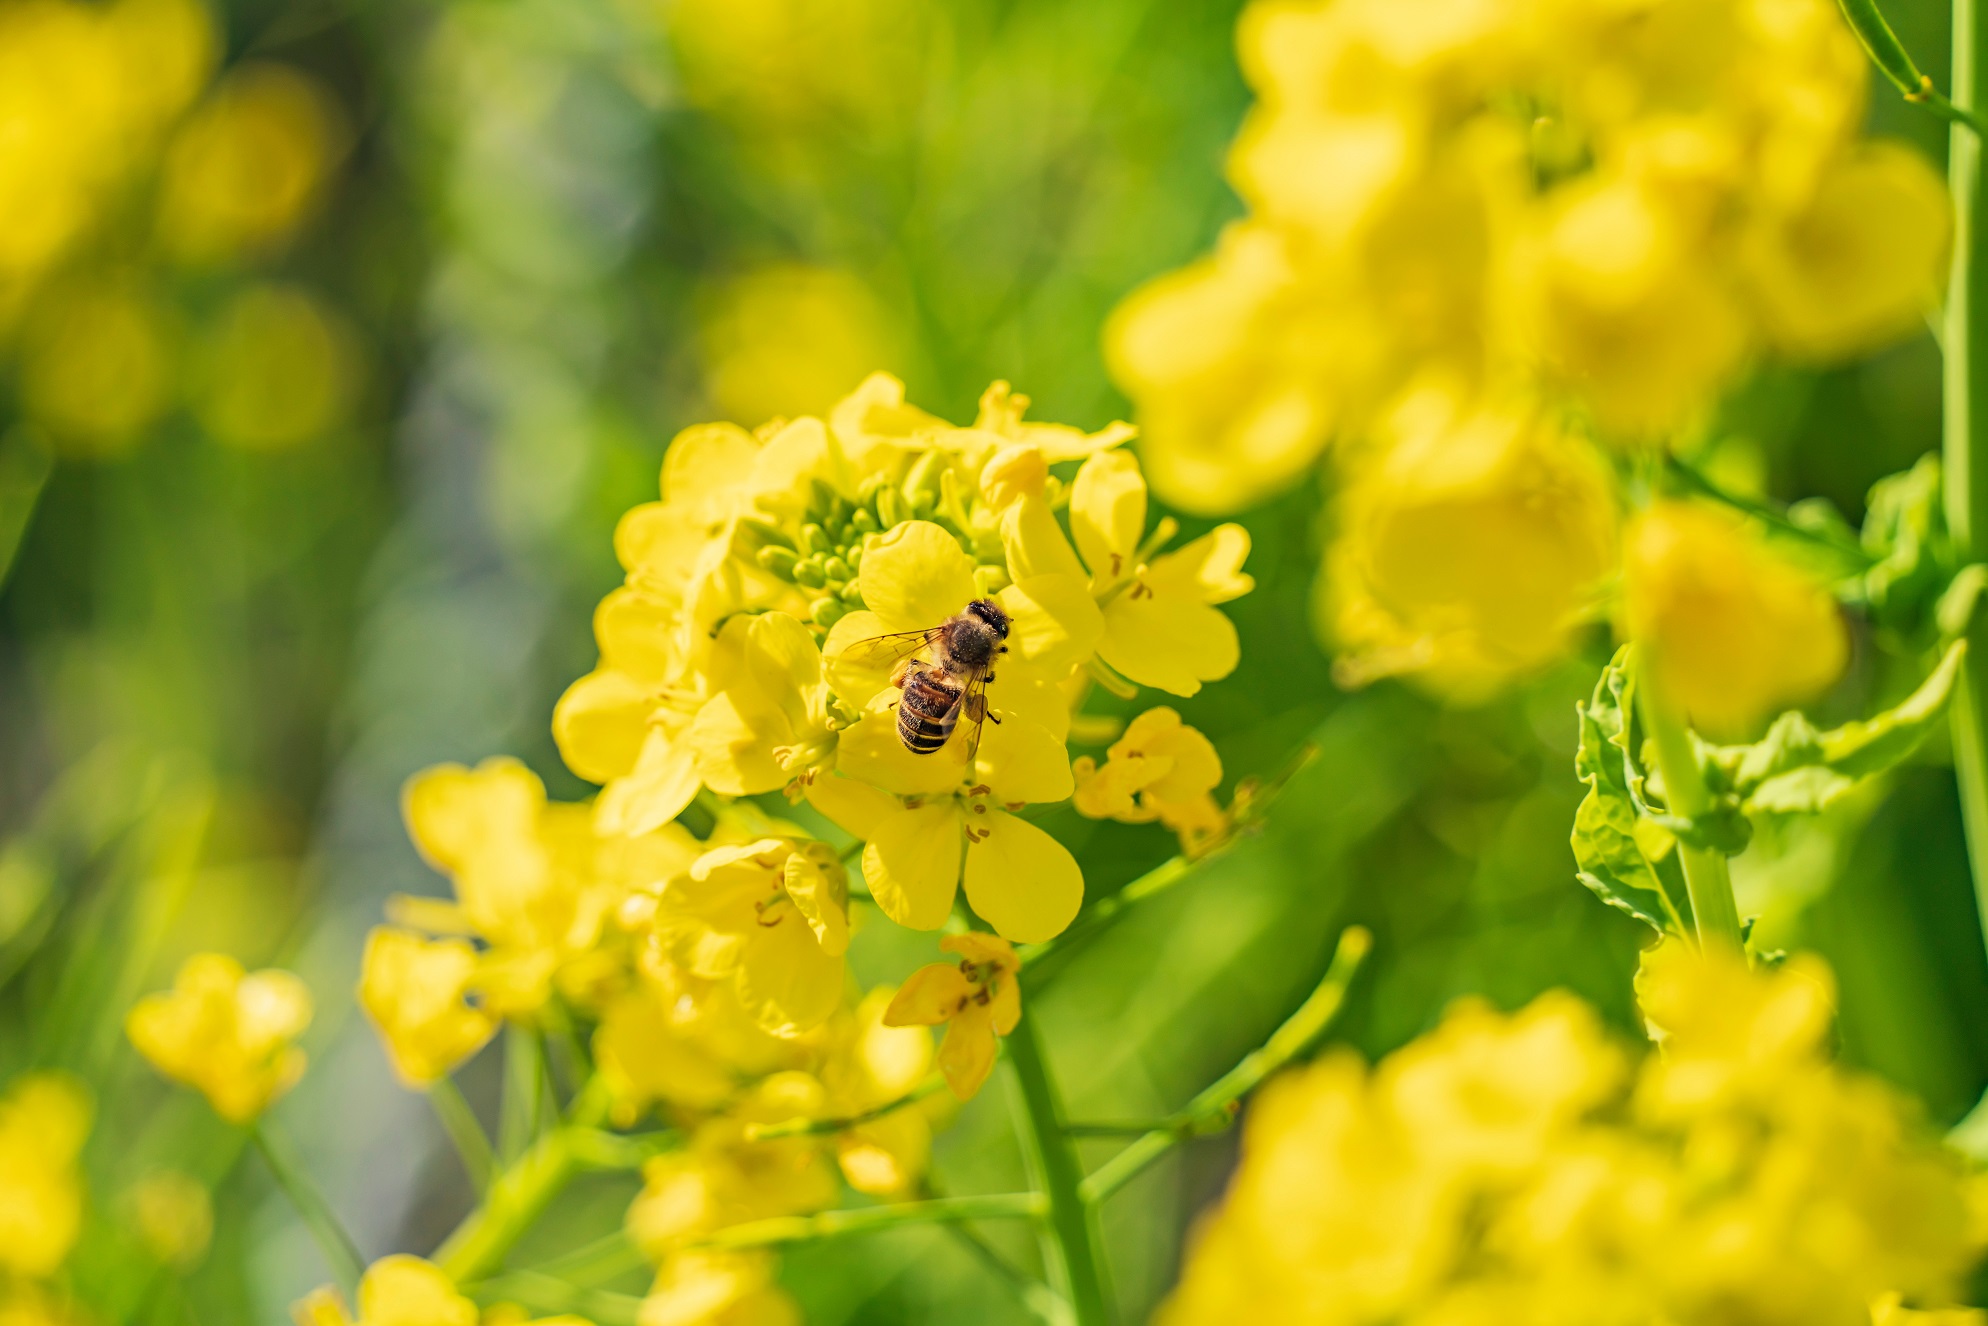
(228, 1032)
(44, 1119)
(1482, 237)
(1520, 1169)
(742, 655)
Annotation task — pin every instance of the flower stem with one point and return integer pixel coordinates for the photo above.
(1965, 444)
(869, 1219)
(1070, 1243)
(340, 1252)
(519, 1193)
(1215, 1106)
(1706, 876)
(803, 1127)
(459, 1122)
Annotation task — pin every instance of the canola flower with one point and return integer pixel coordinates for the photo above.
(44, 1121)
(1521, 1168)
(1159, 769)
(227, 1032)
(734, 657)
(404, 1291)
(977, 999)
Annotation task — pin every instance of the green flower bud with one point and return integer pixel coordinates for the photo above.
(863, 522)
(852, 594)
(808, 572)
(765, 532)
(827, 612)
(814, 539)
(780, 561)
(891, 507)
(836, 569)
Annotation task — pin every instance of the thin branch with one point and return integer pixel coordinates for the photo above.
(340, 1252)
(1888, 53)
(801, 1127)
(543, 1293)
(459, 1122)
(870, 1219)
(1216, 1106)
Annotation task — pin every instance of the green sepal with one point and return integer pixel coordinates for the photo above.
(1796, 769)
(1624, 854)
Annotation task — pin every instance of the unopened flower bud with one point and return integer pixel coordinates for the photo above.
(1016, 471)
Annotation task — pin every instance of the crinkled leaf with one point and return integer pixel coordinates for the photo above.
(1628, 860)
(1796, 769)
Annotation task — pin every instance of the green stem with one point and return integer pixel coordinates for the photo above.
(524, 1091)
(1215, 1107)
(1070, 1243)
(766, 1132)
(1965, 445)
(459, 1122)
(520, 1193)
(870, 1219)
(1896, 63)
(1707, 879)
(1101, 913)
(543, 1293)
(340, 1252)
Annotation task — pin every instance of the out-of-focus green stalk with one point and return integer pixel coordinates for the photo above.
(519, 1193)
(1071, 1249)
(869, 1219)
(1965, 441)
(459, 1122)
(1215, 1106)
(342, 1255)
(24, 467)
(1706, 876)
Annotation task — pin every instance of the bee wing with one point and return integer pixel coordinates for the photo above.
(973, 701)
(885, 652)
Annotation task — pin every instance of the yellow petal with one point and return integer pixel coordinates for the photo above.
(1035, 544)
(1170, 643)
(872, 751)
(1005, 1011)
(453, 813)
(932, 995)
(1108, 514)
(915, 576)
(1023, 761)
(662, 783)
(983, 949)
(705, 466)
(1020, 880)
(856, 675)
(637, 634)
(1054, 622)
(912, 865)
(600, 724)
(413, 990)
(853, 806)
(1208, 569)
(733, 748)
(407, 1291)
(786, 980)
(819, 888)
(967, 1054)
(885, 1157)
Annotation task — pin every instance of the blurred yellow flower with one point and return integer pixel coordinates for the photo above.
(24, 1304)
(416, 991)
(773, 916)
(1470, 549)
(1728, 631)
(44, 1120)
(396, 1291)
(787, 340)
(174, 1215)
(1509, 1169)
(97, 366)
(872, 1063)
(1160, 769)
(247, 164)
(978, 999)
(228, 1032)
(277, 369)
(705, 1288)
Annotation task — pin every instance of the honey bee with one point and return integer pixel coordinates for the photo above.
(950, 682)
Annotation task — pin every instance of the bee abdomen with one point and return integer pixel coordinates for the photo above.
(928, 712)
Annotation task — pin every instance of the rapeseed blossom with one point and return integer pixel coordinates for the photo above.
(977, 999)
(228, 1032)
(44, 1121)
(1514, 1168)
(1159, 769)
(405, 1291)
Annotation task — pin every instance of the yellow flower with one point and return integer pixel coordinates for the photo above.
(174, 1216)
(1469, 549)
(721, 1178)
(768, 724)
(32, 1305)
(277, 369)
(395, 1291)
(97, 366)
(246, 165)
(703, 1288)
(978, 999)
(871, 1063)
(1728, 631)
(44, 1119)
(771, 915)
(1160, 625)
(226, 1032)
(1160, 769)
(416, 990)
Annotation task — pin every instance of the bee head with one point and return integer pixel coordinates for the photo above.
(991, 614)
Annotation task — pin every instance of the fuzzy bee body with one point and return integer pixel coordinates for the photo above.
(963, 649)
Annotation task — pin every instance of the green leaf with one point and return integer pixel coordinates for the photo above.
(1796, 769)
(1628, 859)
